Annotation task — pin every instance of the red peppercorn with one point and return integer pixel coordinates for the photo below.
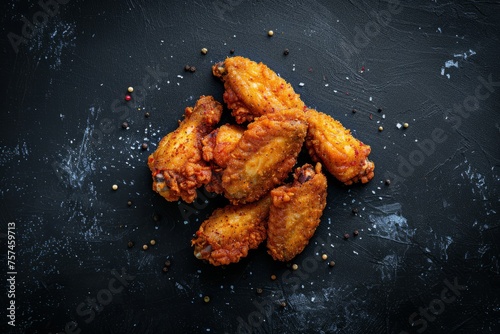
(128, 97)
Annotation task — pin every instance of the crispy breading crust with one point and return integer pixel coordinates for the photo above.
(217, 146)
(177, 166)
(295, 212)
(230, 232)
(265, 154)
(252, 89)
(344, 156)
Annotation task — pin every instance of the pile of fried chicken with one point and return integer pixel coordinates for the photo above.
(248, 163)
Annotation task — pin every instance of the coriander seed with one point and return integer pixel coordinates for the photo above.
(204, 51)
(324, 257)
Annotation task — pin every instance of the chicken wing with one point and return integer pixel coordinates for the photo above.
(217, 146)
(219, 143)
(177, 166)
(264, 156)
(344, 156)
(252, 89)
(295, 212)
(230, 232)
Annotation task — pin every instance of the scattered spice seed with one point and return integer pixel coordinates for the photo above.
(125, 125)
(379, 109)
(295, 266)
(187, 68)
(206, 299)
(192, 69)
(270, 33)
(167, 263)
(346, 236)
(204, 51)
(355, 233)
(286, 52)
(324, 257)
(283, 304)
(165, 269)
(387, 182)
(273, 277)
(147, 114)
(406, 125)
(145, 247)
(371, 116)
(152, 242)
(129, 203)
(128, 97)
(354, 211)
(259, 290)
(130, 244)
(144, 146)
(354, 111)
(114, 187)
(231, 51)
(130, 89)
(331, 264)
(156, 217)
(380, 128)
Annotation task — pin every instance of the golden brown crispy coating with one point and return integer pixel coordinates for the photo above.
(217, 146)
(231, 232)
(264, 156)
(295, 212)
(177, 166)
(252, 89)
(344, 156)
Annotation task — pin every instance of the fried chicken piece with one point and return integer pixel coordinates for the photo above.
(230, 232)
(219, 143)
(177, 166)
(344, 156)
(217, 146)
(295, 212)
(252, 89)
(264, 156)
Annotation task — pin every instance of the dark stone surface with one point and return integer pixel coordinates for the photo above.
(427, 250)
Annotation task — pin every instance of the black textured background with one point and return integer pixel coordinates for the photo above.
(62, 148)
